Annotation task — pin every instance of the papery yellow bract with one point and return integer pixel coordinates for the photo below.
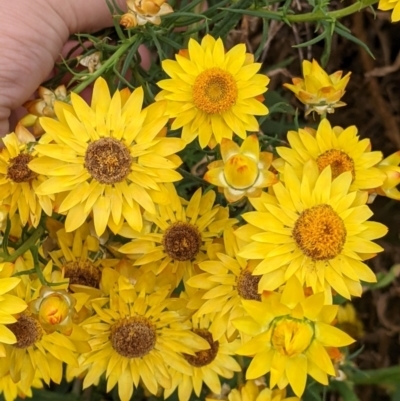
(319, 91)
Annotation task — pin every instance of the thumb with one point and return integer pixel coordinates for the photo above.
(32, 35)
(88, 15)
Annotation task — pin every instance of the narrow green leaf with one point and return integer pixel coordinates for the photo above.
(312, 41)
(352, 38)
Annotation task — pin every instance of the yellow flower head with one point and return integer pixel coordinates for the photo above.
(55, 310)
(178, 235)
(110, 158)
(253, 392)
(143, 11)
(314, 229)
(242, 171)
(212, 94)
(390, 167)
(339, 148)
(319, 91)
(134, 336)
(291, 334)
(18, 183)
(205, 366)
(394, 5)
(12, 391)
(10, 305)
(37, 350)
(43, 106)
(81, 258)
(348, 321)
(226, 280)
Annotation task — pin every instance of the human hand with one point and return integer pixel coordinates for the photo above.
(32, 34)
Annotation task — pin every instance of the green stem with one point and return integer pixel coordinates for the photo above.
(106, 65)
(308, 17)
(24, 272)
(192, 177)
(25, 246)
(5, 237)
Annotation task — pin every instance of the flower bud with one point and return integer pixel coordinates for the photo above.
(55, 310)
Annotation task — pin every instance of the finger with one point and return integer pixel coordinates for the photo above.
(88, 15)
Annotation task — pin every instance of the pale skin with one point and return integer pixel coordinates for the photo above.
(32, 35)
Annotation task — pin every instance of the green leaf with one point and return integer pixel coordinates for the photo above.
(312, 41)
(383, 376)
(352, 38)
(345, 390)
(385, 279)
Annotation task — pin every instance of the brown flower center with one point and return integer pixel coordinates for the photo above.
(27, 330)
(182, 241)
(82, 273)
(133, 337)
(247, 286)
(18, 170)
(339, 161)
(108, 160)
(320, 232)
(204, 357)
(214, 91)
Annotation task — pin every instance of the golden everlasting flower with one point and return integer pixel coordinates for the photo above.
(38, 350)
(319, 91)
(390, 167)
(252, 392)
(43, 106)
(133, 337)
(81, 258)
(394, 5)
(348, 321)
(12, 391)
(10, 305)
(226, 281)
(18, 182)
(212, 94)
(243, 171)
(111, 158)
(128, 20)
(206, 365)
(314, 229)
(55, 310)
(146, 11)
(339, 148)
(178, 234)
(291, 333)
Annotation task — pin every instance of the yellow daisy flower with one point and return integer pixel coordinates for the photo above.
(314, 229)
(111, 158)
(348, 321)
(227, 280)
(38, 347)
(178, 234)
(10, 305)
(290, 335)
(394, 5)
(133, 337)
(18, 183)
(390, 167)
(319, 91)
(205, 366)
(339, 148)
(242, 171)
(11, 390)
(212, 94)
(81, 259)
(252, 392)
